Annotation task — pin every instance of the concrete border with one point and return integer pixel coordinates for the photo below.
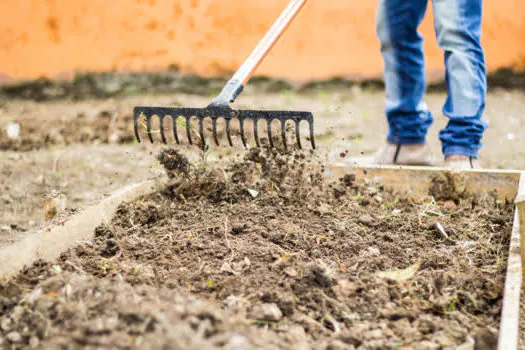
(48, 243)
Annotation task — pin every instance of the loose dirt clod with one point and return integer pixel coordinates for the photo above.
(204, 264)
(174, 162)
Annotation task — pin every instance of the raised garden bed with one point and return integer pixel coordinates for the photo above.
(280, 251)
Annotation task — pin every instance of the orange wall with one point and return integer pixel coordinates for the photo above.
(330, 37)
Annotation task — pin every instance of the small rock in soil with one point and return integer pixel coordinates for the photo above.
(239, 342)
(290, 271)
(267, 312)
(242, 266)
(34, 342)
(32, 297)
(6, 324)
(14, 337)
(366, 219)
(226, 268)
(345, 289)
(374, 251)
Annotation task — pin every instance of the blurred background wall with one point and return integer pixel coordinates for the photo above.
(209, 37)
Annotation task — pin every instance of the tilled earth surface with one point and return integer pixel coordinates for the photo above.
(264, 253)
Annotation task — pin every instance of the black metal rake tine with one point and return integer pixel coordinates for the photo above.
(269, 123)
(214, 130)
(312, 140)
(243, 138)
(175, 129)
(201, 132)
(148, 128)
(162, 136)
(136, 127)
(188, 131)
(256, 132)
(298, 134)
(228, 133)
(283, 133)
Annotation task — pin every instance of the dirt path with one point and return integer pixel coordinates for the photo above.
(350, 119)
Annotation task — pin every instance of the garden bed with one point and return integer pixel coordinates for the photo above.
(266, 252)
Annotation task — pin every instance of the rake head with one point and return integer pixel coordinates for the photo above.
(226, 113)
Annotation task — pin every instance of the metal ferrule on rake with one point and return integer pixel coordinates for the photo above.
(220, 106)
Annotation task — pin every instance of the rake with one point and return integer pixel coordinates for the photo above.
(220, 105)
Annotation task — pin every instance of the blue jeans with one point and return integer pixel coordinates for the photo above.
(458, 30)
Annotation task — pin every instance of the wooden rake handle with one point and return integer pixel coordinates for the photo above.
(236, 84)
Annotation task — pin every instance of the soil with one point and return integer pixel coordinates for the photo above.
(85, 127)
(82, 174)
(262, 252)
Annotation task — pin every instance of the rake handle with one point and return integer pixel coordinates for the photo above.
(236, 84)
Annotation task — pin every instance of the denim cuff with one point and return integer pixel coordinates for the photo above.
(405, 140)
(464, 151)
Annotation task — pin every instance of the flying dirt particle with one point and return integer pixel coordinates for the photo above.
(348, 180)
(339, 192)
(174, 162)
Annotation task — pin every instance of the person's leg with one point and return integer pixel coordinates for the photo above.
(458, 32)
(408, 117)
